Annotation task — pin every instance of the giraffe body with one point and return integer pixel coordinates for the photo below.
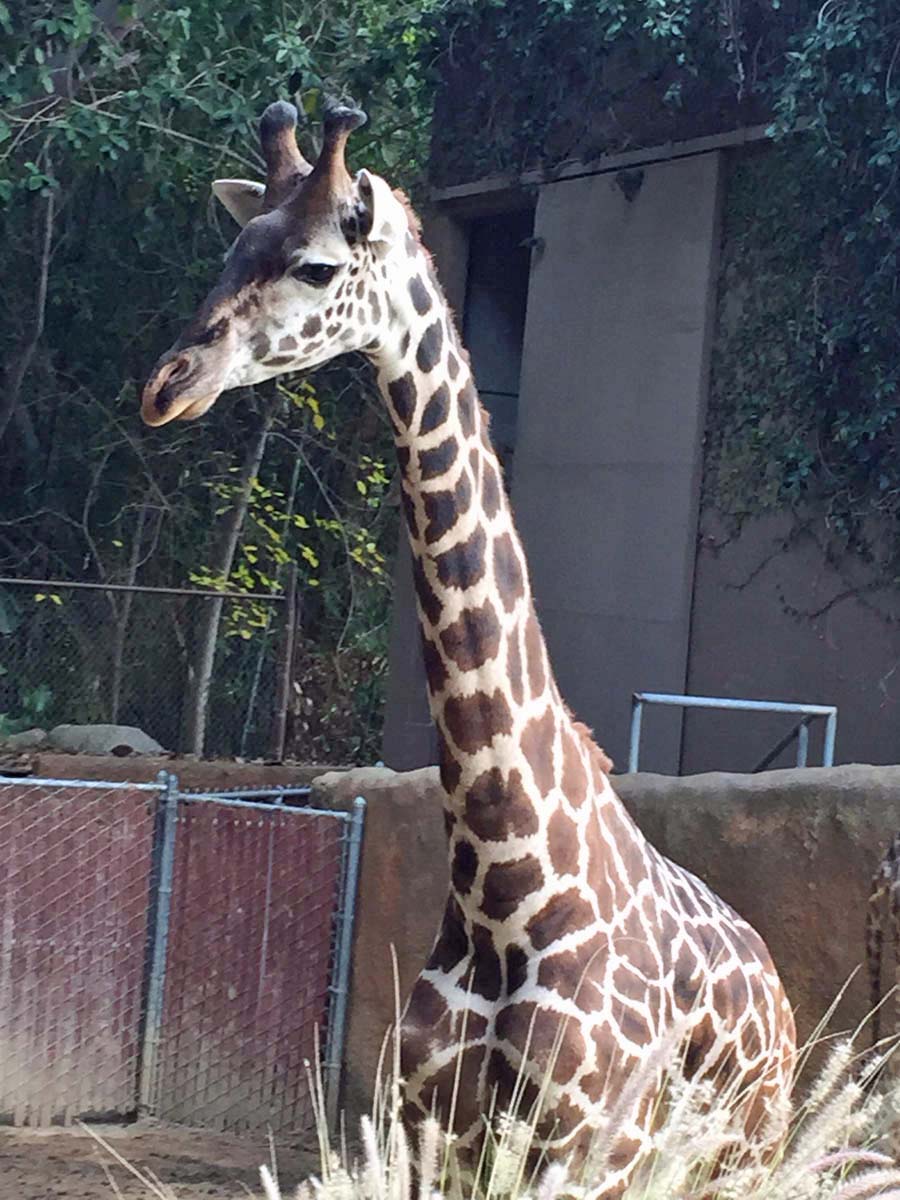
(571, 952)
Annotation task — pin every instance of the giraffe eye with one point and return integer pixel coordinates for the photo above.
(318, 274)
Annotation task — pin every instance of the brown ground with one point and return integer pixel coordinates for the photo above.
(66, 1164)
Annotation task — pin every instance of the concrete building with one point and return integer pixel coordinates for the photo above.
(589, 304)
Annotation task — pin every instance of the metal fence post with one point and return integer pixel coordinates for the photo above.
(156, 984)
(340, 988)
(634, 744)
(830, 735)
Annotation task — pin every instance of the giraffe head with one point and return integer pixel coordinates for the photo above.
(304, 281)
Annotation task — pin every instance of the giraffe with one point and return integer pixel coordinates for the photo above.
(571, 953)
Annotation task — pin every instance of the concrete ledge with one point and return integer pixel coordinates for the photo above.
(793, 851)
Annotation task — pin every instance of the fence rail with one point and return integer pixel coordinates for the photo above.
(173, 954)
(197, 670)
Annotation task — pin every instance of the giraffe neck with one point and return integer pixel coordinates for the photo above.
(504, 733)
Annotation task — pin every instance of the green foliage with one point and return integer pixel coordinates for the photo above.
(110, 134)
(804, 410)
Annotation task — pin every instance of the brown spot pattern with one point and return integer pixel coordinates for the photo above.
(537, 746)
(563, 913)
(463, 565)
(403, 398)
(436, 410)
(534, 655)
(508, 572)
(562, 839)
(498, 807)
(463, 866)
(474, 721)
(490, 492)
(439, 459)
(473, 638)
(429, 350)
(506, 883)
(419, 295)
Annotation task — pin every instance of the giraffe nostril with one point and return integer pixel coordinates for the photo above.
(179, 370)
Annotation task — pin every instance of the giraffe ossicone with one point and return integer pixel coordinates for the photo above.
(571, 952)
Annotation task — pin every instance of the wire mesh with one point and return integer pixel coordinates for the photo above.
(254, 896)
(70, 655)
(248, 962)
(73, 944)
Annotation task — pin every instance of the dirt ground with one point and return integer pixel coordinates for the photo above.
(67, 1164)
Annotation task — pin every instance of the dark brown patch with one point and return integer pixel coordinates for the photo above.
(360, 289)
(506, 883)
(487, 979)
(402, 392)
(473, 638)
(419, 295)
(463, 565)
(436, 410)
(498, 807)
(332, 331)
(452, 365)
(562, 838)
(340, 309)
(374, 308)
(435, 671)
(450, 770)
(452, 944)
(426, 1006)
(475, 465)
(403, 455)
(516, 968)
(404, 344)
(459, 1078)
(463, 866)
(514, 667)
(508, 572)
(431, 605)
(288, 343)
(534, 655)
(490, 492)
(279, 360)
(260, 346)
(550, 1040)
(429, 350)
(574, 773)
(439, 459)
(467, 403)
(561, 914)
(537, 746)
(443, 508)
(474, 721)
(566, 972)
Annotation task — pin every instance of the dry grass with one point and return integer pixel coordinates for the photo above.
(842, 1144)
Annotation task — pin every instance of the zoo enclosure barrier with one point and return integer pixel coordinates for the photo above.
(172, 954)
(205, 672)
(807, 712)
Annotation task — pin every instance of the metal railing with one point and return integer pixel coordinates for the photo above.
(809, 713)
(171, 953)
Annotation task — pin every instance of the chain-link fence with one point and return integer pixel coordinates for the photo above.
(197, 671)
(171, 954)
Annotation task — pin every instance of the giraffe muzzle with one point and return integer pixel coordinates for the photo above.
(179, 389)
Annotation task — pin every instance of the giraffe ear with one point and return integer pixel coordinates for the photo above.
(242, 198)
(382, 217)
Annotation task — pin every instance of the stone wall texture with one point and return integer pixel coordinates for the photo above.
(793, 851)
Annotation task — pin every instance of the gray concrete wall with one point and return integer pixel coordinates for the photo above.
(610, 423)
(774, 620)
(792, 851)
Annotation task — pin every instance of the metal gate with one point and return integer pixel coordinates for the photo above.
(173, 954)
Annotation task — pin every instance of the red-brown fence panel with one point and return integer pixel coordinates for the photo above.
(75, 868)
(255, 895)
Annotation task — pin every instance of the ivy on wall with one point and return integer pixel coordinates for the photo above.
(804, 410)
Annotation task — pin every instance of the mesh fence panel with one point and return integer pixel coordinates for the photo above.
(255, 891)
(246, 967)
(75, 656)
(73, 944)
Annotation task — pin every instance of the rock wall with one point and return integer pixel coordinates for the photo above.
(793, 851)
